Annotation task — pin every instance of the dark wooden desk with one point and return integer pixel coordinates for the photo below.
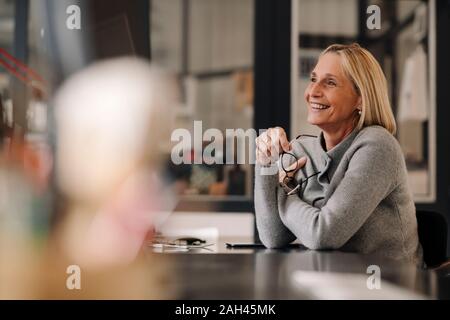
(222, 273)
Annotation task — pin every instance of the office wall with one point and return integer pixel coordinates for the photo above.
(220, 34)
(336, 17)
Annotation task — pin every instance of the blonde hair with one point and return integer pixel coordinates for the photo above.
(369, 81)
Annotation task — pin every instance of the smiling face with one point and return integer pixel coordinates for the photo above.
(331, 97)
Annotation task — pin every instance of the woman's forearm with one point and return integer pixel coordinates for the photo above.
(272, 232)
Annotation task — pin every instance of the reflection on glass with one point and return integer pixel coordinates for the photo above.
(209, 44)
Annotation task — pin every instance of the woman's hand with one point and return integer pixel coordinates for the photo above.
(292, 169)
(270, 144)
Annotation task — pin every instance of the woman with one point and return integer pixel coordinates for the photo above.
(346, 189)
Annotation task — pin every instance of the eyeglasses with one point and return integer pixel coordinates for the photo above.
(180, 244)
(190, 241)
(289, 184)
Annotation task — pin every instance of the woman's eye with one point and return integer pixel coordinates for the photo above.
(331, 83)
(312, 79)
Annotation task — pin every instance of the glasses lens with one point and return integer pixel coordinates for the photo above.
(287, 160)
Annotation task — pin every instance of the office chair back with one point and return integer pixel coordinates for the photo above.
(432, 229)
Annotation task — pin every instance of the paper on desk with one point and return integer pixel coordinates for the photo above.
(348, 286)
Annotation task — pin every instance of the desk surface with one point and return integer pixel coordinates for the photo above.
(222, 273)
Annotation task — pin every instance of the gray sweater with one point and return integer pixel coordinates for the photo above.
(359, 202)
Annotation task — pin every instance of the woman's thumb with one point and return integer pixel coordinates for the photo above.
(297, 164)
(301, 162)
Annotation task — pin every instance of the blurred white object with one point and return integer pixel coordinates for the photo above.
(209, 224)
(111, 120)
(110, 117)
(37, 116)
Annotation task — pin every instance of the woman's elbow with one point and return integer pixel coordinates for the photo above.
(323, 243)
(273, 242)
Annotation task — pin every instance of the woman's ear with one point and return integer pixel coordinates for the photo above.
(359, 103)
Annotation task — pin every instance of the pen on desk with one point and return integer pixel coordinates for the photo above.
(244, 245)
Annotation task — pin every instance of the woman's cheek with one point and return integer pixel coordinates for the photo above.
(306, 93)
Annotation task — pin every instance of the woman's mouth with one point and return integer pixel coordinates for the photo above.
(318, 106)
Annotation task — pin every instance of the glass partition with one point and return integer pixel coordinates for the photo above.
(209, 44)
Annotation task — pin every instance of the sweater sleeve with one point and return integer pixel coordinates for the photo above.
(369, 178)
(272, 232)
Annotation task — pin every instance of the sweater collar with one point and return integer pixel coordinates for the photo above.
(335, 154)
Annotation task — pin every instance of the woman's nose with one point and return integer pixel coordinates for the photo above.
(315, 89)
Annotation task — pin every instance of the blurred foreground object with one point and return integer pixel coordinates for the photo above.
(111, 121)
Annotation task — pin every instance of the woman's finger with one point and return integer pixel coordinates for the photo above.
(263, 148)
(283, 140)
(271, 143)
(275, 146)
(297, 165)
(281, 176)
(262, 159)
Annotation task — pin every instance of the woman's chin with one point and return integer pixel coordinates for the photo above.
(314, 120)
